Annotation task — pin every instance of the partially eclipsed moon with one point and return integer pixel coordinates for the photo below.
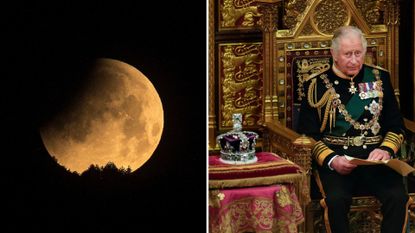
(118, 118)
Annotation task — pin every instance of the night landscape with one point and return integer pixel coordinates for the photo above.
(47, 49)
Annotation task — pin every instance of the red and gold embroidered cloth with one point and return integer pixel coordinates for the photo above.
(265, 209)
(258, 197)
(270, 169)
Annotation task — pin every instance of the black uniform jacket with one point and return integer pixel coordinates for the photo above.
(372, 112)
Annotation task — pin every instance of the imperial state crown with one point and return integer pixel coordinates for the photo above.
(237, 146)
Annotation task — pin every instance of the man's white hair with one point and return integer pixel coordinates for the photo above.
(345, 31)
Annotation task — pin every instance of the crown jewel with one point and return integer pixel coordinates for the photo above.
(237, 146)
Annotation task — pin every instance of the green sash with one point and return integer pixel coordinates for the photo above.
(355, 107)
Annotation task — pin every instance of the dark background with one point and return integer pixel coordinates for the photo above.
(45, 50)
(406, 59)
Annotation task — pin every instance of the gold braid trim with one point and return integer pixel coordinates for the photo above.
(393, 141)
(326, 99)
(320, 151)
(312, 91)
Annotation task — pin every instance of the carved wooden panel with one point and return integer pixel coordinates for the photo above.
(238, 14)
(240, 83)
(293, 9)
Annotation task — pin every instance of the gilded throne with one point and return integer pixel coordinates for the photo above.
(260, 53)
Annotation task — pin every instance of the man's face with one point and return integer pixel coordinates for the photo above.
(350, 56)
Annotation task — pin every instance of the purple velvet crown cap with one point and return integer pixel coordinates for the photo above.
(236, 140)
(237, 145)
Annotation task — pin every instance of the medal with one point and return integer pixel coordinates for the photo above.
(374, 108)
(362, 96)
(352, 88)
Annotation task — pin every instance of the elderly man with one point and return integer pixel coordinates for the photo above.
(350, 109)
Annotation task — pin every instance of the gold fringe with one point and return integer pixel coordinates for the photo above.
(254, 181)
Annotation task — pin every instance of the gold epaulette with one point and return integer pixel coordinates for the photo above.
(377, 67)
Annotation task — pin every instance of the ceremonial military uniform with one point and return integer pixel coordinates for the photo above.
(353, 117)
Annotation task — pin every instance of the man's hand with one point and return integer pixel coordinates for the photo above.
(341, 165)
(379, 154)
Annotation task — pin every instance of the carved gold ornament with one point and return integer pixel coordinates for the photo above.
(329, 15)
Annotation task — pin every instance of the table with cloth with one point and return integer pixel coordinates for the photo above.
(266, 196)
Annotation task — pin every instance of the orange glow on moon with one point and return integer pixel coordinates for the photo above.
(118, 117)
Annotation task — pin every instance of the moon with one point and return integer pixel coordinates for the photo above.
(117, 117)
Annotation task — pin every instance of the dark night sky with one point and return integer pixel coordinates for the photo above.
(46, 48)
